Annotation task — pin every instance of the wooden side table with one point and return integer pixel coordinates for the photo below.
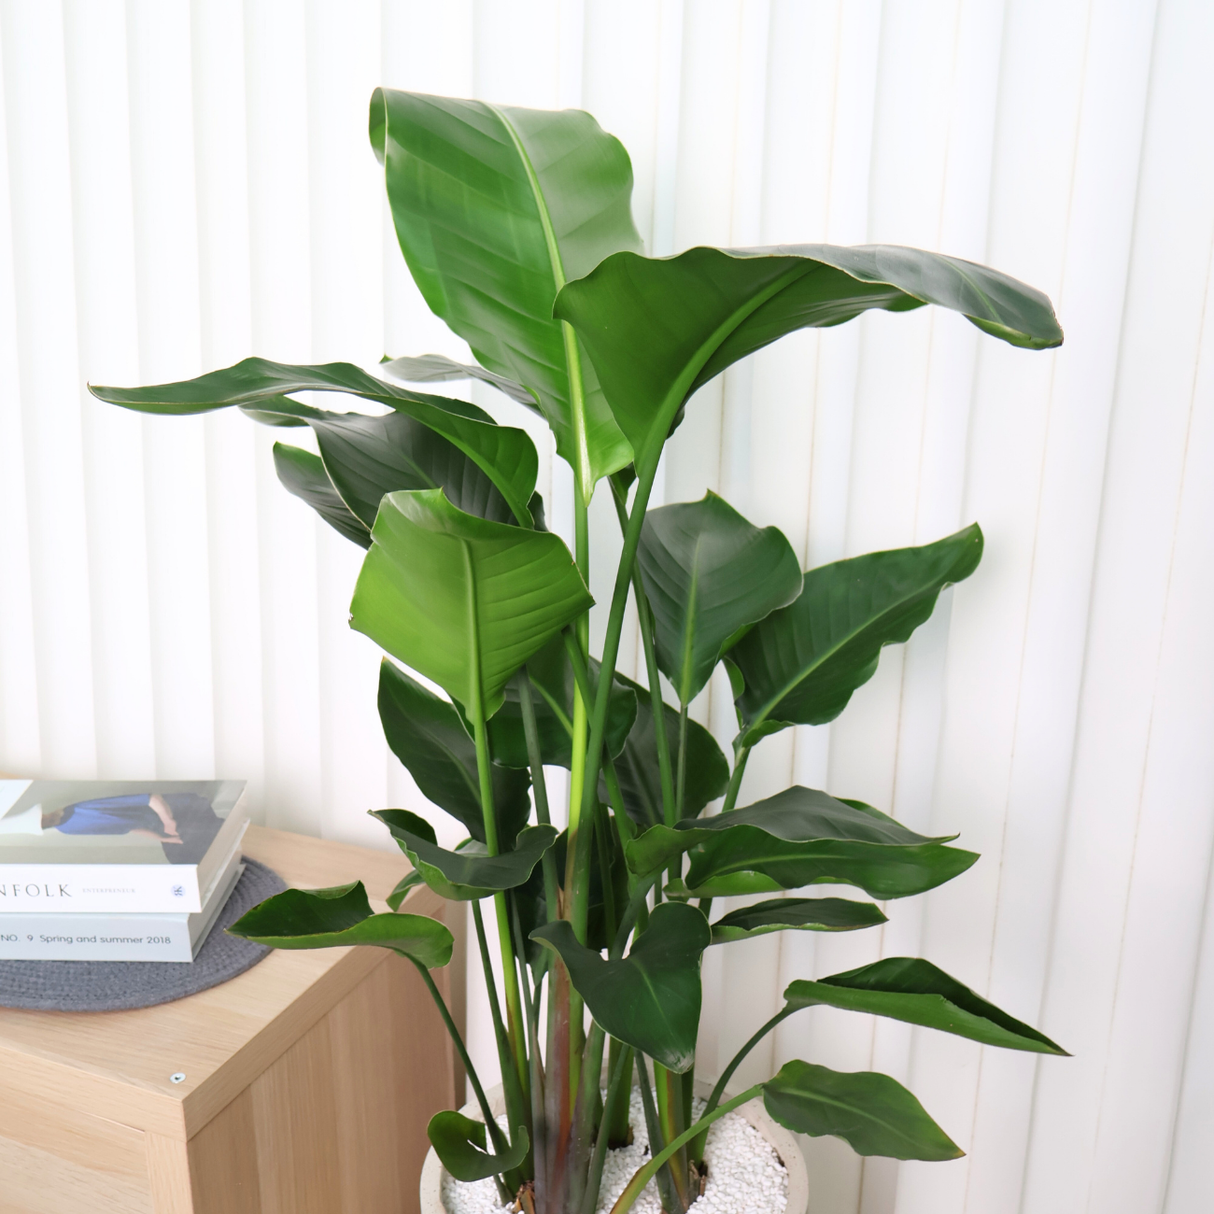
(309, 1079)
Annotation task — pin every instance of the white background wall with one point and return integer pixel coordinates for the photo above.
(185, 184)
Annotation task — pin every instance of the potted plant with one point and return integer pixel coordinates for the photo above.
(516, 226)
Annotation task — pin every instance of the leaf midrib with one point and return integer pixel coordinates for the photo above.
(751, 859)
(678, 390)
(690, 625)
(835, 1103)
(573, 366)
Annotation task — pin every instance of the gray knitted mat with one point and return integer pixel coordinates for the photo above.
(110, 986)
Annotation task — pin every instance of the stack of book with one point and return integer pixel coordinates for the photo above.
(114, 870)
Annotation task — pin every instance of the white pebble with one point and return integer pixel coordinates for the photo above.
(745, 1175)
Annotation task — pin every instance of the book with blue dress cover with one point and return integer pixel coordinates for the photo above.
(124, 846)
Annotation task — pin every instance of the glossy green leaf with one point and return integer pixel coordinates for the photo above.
(796, 914)
(651, 998)
(801, 664)
(709, 575)
(427, 736)
(470, 873)
(438, 368)
(280, 411)
(872, 1112)
(304, 475)
(367, 457)
(505, 455)
(637, 764)
(340, 916)
(797, 815)
(552, 685)
(495, 209)
(462, 600)
(411, 880)
(460, 1143)
(914, 990)
(800, 837)
(658, 328)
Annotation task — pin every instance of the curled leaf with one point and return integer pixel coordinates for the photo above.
(341, 916)
(461, 1144)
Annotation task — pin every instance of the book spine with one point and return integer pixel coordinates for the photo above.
(98, 888)
(99, 938)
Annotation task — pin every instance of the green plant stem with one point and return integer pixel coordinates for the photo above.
(614, 795)
(514, 1019)
(578, 761)
(675, 870)
(719, 1090)
(494, 1130)
(615, 798)
(735, 780)
(666, 1187)
(681, 775)
(598, 722)
(587, 1111)
(558, 1101)
(540, 789)
(495, 1008)
(535, 1127)
(616, 1114)
(620, 1065)
(581, 697)
(511, 1087)
(668, 1087)
(632, 912)
(625, 828)
(643, 1175)
(604, 849)
(657, 704)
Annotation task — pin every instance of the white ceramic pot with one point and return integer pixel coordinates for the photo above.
(784, 1142)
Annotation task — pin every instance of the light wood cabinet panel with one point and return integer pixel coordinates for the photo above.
(309, 1079)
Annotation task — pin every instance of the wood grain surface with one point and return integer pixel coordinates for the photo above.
(309, 1079)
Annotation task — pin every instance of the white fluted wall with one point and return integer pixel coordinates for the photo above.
(185, 184)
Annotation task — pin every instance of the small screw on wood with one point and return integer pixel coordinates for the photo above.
(179, 1077)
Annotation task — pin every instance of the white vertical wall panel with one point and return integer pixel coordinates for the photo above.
(103, 220)
(186, 182)
(47, 381)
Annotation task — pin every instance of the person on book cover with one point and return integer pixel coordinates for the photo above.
(145, 814)
(183, 823)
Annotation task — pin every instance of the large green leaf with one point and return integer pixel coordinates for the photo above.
(552, 684)
(304, 475)
(872, 1112)
(427, 736)
(796, 914)
(470, 873)
(505, 455)
(657, 329)
(801, 664)
(637, 764)
(709, 575)
(495, 209)
(367, 457)
(914, 990)
(462, 600)
(651, 998)
(438, 368)
(340, 916)
(460, 1144)
(801, 837)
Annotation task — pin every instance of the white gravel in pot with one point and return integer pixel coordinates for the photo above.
(745, 1175)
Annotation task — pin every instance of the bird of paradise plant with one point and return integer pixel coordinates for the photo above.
(517, 228)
